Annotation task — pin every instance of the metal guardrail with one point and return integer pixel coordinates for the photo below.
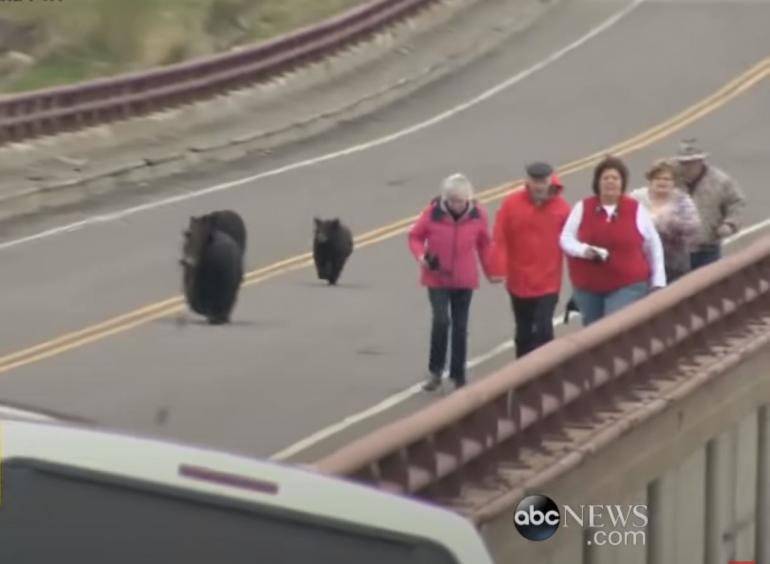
(72, 107)
(474, 432)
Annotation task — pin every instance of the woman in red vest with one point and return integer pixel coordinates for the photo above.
(614, 252)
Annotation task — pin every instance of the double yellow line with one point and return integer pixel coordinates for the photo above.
(176, 304)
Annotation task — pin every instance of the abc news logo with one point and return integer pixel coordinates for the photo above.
(537, 518)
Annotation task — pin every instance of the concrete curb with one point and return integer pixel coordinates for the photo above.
(64, 170)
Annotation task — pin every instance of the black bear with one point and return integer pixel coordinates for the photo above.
(332, 246)
(213, 270)
(227, 221)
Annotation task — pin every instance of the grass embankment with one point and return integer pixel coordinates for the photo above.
(68, 41)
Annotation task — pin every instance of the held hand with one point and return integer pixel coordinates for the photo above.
(591, 254)
(724, 231)
(496, 279)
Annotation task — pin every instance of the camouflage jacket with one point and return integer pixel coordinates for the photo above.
(720, 201)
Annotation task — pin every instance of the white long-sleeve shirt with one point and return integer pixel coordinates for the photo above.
(653, 247)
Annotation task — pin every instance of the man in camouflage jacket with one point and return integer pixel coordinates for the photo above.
(719, 199)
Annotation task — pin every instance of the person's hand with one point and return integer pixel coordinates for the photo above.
(496, 279)
(591, 254)
(724, 230)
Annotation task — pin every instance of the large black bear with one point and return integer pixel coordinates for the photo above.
(213, 269)
(332, 246)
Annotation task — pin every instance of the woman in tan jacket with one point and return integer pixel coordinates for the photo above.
(674, 214)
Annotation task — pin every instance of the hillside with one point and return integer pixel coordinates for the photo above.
(44, 43)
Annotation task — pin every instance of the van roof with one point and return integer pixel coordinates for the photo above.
(236, 477)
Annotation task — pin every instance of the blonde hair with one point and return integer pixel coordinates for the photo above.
(664, 165)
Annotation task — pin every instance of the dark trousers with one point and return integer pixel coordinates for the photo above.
(705, 257)
(450, 312)
(674, 275)
(534, 321)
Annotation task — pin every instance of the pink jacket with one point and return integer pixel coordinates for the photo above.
(455, 243)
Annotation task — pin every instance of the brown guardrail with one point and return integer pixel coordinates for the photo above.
(66, 108)
(473, 432)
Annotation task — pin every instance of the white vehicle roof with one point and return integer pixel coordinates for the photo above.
(236, 478)
(11, 412)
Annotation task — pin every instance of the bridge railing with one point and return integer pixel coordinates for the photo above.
(66, 108)
(470, 433)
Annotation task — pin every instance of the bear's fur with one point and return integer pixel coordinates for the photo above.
(227, 221)
(213, 270)
(332, 246)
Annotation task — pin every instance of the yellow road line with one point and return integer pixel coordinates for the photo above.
(176, 304)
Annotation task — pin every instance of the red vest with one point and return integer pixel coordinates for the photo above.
(627, 263)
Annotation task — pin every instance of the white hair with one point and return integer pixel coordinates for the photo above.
(457, 185)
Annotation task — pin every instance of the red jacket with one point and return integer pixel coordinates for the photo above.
(526, 242)
(456, 244)
(627, 263)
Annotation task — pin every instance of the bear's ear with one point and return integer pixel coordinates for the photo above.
(317, 222)
(334, 223)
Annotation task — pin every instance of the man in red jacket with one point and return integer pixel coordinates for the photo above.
(528, 255)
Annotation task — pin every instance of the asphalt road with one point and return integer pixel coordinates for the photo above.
(299, 355)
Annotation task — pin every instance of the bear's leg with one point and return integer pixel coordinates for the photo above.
(336, 269)
(226, 296)
(331, 272)
(222, 306)
(191, 289)
(319, 267)
(220, 299)
(203, 294)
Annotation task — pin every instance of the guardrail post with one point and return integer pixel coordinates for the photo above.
(763, 486)
(720, 498)
(448, 446)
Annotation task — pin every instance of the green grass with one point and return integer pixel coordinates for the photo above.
(56, 69)
(86, 39)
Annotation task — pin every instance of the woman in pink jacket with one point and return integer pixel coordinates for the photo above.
(446, 240)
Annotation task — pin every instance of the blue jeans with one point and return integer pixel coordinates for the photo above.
(451, 309)
(704, 257)
(594, 306)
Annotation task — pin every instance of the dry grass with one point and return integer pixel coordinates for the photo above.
(90, 38)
